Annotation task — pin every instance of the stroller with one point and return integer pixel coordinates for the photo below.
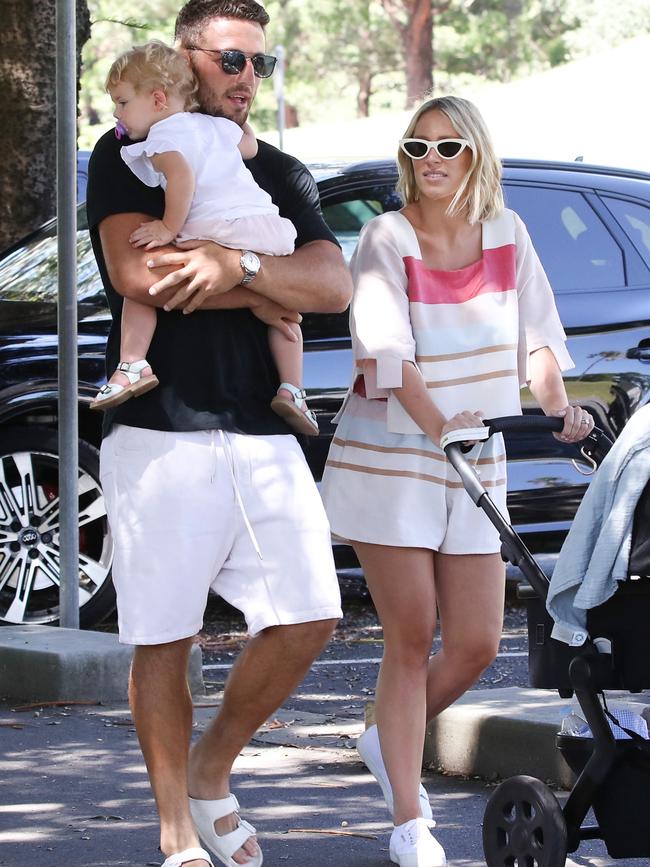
(524, 824)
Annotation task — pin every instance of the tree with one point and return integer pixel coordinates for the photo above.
(498, 39)
(27, 107)
(117, 25)
(414, 22)
(361, 38)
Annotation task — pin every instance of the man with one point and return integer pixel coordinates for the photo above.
(205, 487)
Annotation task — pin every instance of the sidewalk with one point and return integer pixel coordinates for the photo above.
(73, 787)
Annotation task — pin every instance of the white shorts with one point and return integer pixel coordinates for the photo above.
(190, 511)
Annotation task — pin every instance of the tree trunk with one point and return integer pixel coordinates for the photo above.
(28, 111)
(364, 93)
(291, 119)
(418, 50)
(414, 22)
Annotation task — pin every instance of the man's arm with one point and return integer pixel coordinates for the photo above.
(314, 279)
(132, 278)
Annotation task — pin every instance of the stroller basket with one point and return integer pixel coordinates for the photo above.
(622, 803)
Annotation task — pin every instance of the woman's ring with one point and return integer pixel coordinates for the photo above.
(584, 421)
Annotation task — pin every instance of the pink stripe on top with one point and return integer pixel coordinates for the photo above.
(494, 272)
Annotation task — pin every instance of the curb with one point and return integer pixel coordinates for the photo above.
(498, 733)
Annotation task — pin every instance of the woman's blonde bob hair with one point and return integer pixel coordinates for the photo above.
(479, 194)
(155, 66)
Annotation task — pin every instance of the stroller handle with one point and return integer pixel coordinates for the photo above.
(524, 424)
(594, 447)
(513, 550)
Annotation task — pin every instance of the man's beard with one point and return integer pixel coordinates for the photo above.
(210, 104)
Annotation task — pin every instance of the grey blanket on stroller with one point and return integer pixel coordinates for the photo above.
(596, 551)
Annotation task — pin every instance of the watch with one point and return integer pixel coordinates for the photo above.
(250, 265)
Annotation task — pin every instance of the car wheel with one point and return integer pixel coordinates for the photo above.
(29, 531)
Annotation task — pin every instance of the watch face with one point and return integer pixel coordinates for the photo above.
(250, 262)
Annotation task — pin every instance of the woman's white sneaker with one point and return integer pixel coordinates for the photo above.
(413, 845)
(370, 751)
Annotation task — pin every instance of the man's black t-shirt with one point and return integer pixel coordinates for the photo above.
(214, 366)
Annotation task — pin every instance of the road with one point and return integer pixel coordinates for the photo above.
(343, 677)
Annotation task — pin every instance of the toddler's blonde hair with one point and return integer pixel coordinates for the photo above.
(155, 66)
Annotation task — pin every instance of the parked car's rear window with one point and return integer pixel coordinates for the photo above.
(575, 246)
(635, 219)
(30, 273)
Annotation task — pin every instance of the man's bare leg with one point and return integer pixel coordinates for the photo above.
(266, 672)
(162, 711)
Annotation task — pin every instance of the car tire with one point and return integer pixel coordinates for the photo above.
(29, 519)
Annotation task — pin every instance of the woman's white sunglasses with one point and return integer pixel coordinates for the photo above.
(446, 148)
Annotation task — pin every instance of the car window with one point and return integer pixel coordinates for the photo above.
(635, 219)
(575, 246)
(347, 215)
(30, 273)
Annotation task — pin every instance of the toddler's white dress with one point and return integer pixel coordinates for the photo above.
(228, 206)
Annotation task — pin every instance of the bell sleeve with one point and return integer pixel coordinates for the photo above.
(380, 322)
(539, 321)
(165, 136)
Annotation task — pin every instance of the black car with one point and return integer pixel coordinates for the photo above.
(591, 228)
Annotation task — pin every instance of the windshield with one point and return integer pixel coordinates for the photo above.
(29, 273)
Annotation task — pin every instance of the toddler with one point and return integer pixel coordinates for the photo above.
(209, 194)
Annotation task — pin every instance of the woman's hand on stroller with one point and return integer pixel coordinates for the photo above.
(578, 424)
(464, 419)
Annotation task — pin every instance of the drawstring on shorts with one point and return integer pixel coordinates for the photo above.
(227, 449)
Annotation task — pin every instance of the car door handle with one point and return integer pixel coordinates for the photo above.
(642, 351)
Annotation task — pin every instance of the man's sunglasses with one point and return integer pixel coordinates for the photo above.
(233, 61)
(446, 148)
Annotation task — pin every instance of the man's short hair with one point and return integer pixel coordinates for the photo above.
(196, 14)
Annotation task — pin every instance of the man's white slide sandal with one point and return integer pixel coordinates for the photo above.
(186, 856)
(301, 420)
(223, 846)
(370, 751)
(113, 394)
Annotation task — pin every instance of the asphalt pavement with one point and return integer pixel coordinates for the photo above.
(74, 791)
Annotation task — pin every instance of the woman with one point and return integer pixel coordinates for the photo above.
(451, 313)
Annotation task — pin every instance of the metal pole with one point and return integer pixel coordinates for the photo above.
(66, 207)
(278, 82)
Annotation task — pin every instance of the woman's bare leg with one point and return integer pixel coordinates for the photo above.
(470, 592)
(401, 582)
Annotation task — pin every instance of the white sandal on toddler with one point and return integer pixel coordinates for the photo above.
(294, 410)
(224, 846)
(186, 856)
(112, 394)
(370, 751)
(413, 845)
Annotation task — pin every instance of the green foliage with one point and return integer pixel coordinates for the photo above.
(500, 39)
(337, 50)
(116, 26)
(606, 23)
